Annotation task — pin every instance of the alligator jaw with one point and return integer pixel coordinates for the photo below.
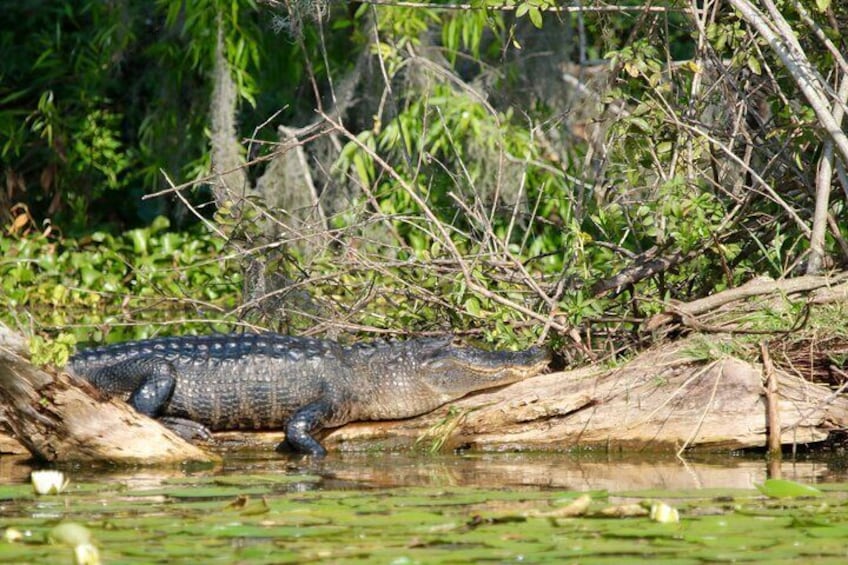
(454, 372)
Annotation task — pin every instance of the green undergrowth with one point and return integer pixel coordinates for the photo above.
(150, 281)
(105, 287)
(282, 518)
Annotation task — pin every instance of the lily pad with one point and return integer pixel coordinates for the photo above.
(782, 488)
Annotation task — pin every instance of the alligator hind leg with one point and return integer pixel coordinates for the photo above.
(155, 388)
(154, 381)
(302, 424)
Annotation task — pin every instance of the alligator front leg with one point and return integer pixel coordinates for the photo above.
(302, 424)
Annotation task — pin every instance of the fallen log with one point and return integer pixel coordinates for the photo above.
(824, 289)
(684, 395)
(59, 419)
(662, 400)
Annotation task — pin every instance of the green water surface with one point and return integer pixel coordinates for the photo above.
(449, 509)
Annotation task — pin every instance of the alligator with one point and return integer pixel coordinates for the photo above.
(198, 384)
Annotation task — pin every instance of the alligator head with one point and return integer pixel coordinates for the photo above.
(453, 372)
(420, 375)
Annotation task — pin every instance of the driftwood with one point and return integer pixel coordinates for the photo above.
(57, 419)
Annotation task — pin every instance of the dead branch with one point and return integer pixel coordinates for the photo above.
(798, 66)
(645, 265)
(772, 404)
(757, 287)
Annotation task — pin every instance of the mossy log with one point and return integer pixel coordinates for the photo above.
(59, 419)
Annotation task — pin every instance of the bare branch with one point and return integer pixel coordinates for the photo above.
(800, 69)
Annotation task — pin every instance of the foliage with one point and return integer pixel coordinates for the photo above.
(495, 179)
(102, 288)
(99, 98)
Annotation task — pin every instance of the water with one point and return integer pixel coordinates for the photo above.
(263, 507)
(581, 472)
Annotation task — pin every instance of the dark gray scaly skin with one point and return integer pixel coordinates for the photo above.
(194, 384)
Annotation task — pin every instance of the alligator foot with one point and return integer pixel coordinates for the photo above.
(187, 429)
(309, 449)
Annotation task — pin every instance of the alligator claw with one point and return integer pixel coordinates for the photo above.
(189, 430)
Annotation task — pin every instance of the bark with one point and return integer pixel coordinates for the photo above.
(227, 162)
(57, 418)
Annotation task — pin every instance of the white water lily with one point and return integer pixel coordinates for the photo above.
(78, 537)
(12, 535)
(664, 514)
(86, 554)
(49, 482)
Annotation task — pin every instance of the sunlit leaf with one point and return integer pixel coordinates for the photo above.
(535, 17)
(782, 488)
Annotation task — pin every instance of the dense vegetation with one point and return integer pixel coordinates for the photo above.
(509, 171)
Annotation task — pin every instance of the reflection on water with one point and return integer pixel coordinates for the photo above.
(593, 471)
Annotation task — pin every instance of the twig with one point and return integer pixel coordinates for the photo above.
(826, 401)
(506, 7)
(692, 322)
(647, 265)
(442, 231)
(767, 189)
(824, 181)
(773, 431)
(799, 69)
(756, 287)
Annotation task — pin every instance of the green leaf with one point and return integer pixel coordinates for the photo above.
(69, 533)
(781, 488)
(472, 306)
(535, 17)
